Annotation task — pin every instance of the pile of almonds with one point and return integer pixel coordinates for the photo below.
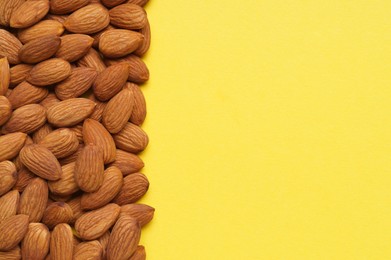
(70, 115)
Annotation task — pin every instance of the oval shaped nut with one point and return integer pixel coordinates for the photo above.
(26, 119)
(13, 254)
(61, 142)
(72, 158)
(35, 245)
(126, 42)
(5, 75)
(29, 13)
(128, 163)
(10, 145)
(43, 28)
(144, 47)
(128, 16)
(92, 60)
(141, 212)
(49, 101)
(78, 130)
(74, 47)
(134, 188)
(131, 139)
(66, 185)
(34, 199)
(112, 184)
(70, 112)
(138, 2)
(89, 168)
(12, 231)
(9, 204)
(88, 250)
(5, 110)
(56, 213)
(41, 133)
(19, 73)
(140, 254)
(110, 81)
(124, 238)
(8, 176)
(118, 110)
(25, 176)
(104, 240)
(66, 7)
(9, 46)
(61, 242)
(99, 108)
(89, 19)
(39, 160)
(49, 72)
(138, 70)
(139, 112)
(95, 133)
(76, 208)
(6, 9)
(25, 94)
(76, 84)
(39, 49)
(95, 223)
(112, 3)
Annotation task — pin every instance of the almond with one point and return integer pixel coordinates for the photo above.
(74, 47)
(61, 242)
(138, 70)
(11, 144)
(89, 19)
(25, 176)
(61, 142)
(134, 187)
(19, 73)
(56, 213)
(49, 72)
(5, 110)
(139, 254)
(94, 224)
(13, 254)
(110, 81)
(6, 9)
(104, 241)
(4, 75)
(72, 158)
(141, 212)
(76, 84)
(39, 49)
(118, 111)
(89, 168)
(144, 47)
(29, 13)
(66, 185)
(39, 160)
(34, 199)
(97, 36)
(112, 184)
(99, 108)
(76, 208)
(66, 6)
(124, 238)
(78, 130)
(9, 47)
(126, 42)
(43, 28)
(12, 231)
(35, 245)
(16, 160)
(131, 139)
(49, 101)
(8, 176)
(26, 119)
(96, 133)
(25, 94)
(59, 18)
(138, 2)
(92, 60)
(91, 250)
(127, 162)
(70, 112)
(41, 133)
(140, 108)
(112, 3)
(128, 16)
(9, 203)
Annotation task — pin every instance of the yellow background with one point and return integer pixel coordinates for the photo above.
(270, 130)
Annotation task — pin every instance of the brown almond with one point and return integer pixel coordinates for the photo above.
(141, 212)
(89, 19)
(70, 112)
(34, 199)
(12, 231)
(95, 133)
(61, 142)
(39, 49)
(25, 176)
(126, 42)
(26, 119)
(9, 204)
(128, 16)
(56, 213)
(131, 138)
(5, 75)
(43, 28)
(74, 47)
(134, 188)
(95, 223)
(110, 81)
(112, 3)
(128, 163)
(25, 94)
(11, 144)
(97, 36)
(144, 47)
(19, 165)
(29, 13)
(118, 111)
(13, 254)
(49, 101)
(41, 133)
(59, 18)
(5, 110)
(99, 108)
(9, 47)
(6, 9)
(91, 250)
(78, 130)
(138, 2)
(19, 73)
(35, 245)
(92, 60)
(39, 160)
(76, 208)
(104, 241)
(66, 6)
(76, 84)
(66, 185)
(139, 254)
(138, 70)
(61, 242)
(49, 72)
(8, 176)
(72, 158)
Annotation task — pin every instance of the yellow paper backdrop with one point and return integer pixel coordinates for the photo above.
(270, 130)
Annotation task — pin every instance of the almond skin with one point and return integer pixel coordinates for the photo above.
(74, 47)
(128, 16)
(39, 49)
(13, 254)
(67, 6)
(144, 47)
(26, 119)
(139, 254)
(92, 60)
(59, 18)
(25, 94)
(134, 188)
(49, 72)
(9, 204)
(5, 75)
(61, 242)
(88, 250)
(99, 108)
(72, 158)
(25, 176)
(49, 101)
(76, 208)
(112, 3)
(138, 2)
(12, 231)
(126, 42)
(138, 70)
(131, 139)
(118, 111)
(61, 142)
(9, 47)
(97, 36)
(56, 213)
(8, 176)
(110, 81)
(29, 13)
(41, 133)
(39, 160)
(70, 112)
(11, 144)
(5, 110)
(104, 241)
(94, 224)
(89, 19)
(141, 212)
(35, 245)
(140, 108)
(34, 199)
(66, 185)
(43, 28)
(128, 163)
(78, 130)
(19, 73)
(76, 84)
(6, 9)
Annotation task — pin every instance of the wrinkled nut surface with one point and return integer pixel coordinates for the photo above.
(71, 112)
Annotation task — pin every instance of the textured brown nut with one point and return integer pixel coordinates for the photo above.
(138, 2)
(61, 142)
(72, 158)
(26, 119)
(144, 47)
(9, 46)
(39, 49)
(61, 242)
(25, 94)
(126, 42)
(89, 19)
(110, 81)
(19, 73)
(139, 254)
(97, 35)
(128, 16)
(76, 208)
(70, 112)
(5, 110)
(74, 47)
(13, 254)
(134, 187)
(43, 28)
(25, 176)
(88, 250)
(49, 72)
(95, 133)
(76, 84)
(34, 199)
(59, 18)
(141, 212)
(99, 108)
(11, 144)
(66, 6)
(9, 203)
(39, 160)
(78, 130)
(8, 176)
(41, 133)
(29, 13)
(6, 9)
(35, 245)
(5, 74)
(138, 70)
(140, 108)
(124, 238)
(66, 185)
(49, 101)
(92, 60)
(131, 139)
(95, 223)
(16, 160)
(12, 231)
(56, 213)
(104, 241)
(112, 3)
(128, 163)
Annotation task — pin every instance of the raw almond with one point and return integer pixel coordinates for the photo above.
(25, 94)
(4, 75)
(13, 254)
(141, 212)
(104, 241)
(9, 204)
(66, 6)
(39, 49)
(12, 231)
(131, 139)
(29, 13)
(19, 73)
(89, 19)
(99, 108)
(61, 142)
(25, 176)
(43, 28)
(11, 144)
(72, 158)
(35, 245)
(139, 254)
(59, 18)
(49, 101)
(76, 84)
(8, 176)
(97, 36)
(138, 70)
(127, 162)
(49, 72)
(138, 2)
(126, 42)
(41, 133)
(70, 112)
(91, 250)
(144, 47)
(140, 108)
(74, 47)
(26, 119)
(61, 242)
(112, 3)
(56, 213)
(95, 223)
(78, 130)
(134, 187)
(9, 46)
(39, 160)
(76, 208)
(34, 199)
(5, 110)
(66, 185)
(92, 60)
(110, 81)
(128, 16)
(6, 9)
